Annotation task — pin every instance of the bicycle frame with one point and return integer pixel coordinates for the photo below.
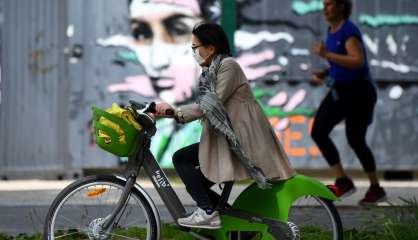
(144, 158)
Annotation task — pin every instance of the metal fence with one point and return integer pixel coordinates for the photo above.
(33, 111)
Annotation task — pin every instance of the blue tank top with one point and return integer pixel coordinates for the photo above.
(335, 43)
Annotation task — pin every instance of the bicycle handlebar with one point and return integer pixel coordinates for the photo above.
(143, 107)
(148, 108)
(141, 113)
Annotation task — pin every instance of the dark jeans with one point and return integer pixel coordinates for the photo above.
(353, 102)
(186, 162)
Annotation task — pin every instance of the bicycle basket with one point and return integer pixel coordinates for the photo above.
(114, 133)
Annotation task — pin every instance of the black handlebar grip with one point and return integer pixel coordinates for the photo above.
(152, 108)
(169, 112)
(136, 105)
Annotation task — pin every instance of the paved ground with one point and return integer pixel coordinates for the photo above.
(24, 203)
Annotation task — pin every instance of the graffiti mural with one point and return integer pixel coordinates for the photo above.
(158, 28)
(159, 43)
(171, 77)
(388, 50)
(111, 51)
(289, 29)
(273, 43)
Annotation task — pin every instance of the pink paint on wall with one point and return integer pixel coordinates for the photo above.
(254, 58)
(184, 80)
(140, 84)
(295, 100)
(253, 73)
(279, 99)
(191, 4)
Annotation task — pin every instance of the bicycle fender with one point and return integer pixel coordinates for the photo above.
(276, 201)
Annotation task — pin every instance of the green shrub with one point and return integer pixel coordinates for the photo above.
(400, 223)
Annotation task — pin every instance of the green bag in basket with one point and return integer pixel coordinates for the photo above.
(116, 130)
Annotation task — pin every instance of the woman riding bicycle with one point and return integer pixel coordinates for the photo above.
(237, 140)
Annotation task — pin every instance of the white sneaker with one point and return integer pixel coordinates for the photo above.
(200, 219)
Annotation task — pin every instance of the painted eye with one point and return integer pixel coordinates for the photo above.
(141, 30)
(178, 25)
(178, 29)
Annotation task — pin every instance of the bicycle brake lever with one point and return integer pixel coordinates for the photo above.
(151, 107)
(136, 105)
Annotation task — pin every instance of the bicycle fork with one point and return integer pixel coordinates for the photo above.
(109, 220)
(100, 228)
(132, 170)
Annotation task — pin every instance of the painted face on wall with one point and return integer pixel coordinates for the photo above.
(161, 32)
(160, 40)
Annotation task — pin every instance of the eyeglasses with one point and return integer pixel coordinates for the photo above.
(196, 47)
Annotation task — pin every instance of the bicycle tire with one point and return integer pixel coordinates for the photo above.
(151, 220)
(330, 209)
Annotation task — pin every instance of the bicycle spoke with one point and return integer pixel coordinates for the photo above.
(68, 234)
(70, 221)
(85, 216)
(134, 221)
(117, 235)
(101, 197)
(86, 211)
(77, 201)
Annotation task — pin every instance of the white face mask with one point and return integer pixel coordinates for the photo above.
(197, 57)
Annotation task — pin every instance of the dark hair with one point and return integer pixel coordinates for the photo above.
(347, 6)
(210, 33)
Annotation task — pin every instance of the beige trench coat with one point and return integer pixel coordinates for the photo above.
(251, 127)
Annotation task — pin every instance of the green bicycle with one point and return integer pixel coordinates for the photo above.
(115, 207)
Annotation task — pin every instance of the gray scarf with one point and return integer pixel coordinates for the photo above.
(218, 118)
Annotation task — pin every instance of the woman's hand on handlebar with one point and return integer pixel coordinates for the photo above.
(165, 110)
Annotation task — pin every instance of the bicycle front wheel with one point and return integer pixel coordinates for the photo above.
(315, 218)
(78, 211)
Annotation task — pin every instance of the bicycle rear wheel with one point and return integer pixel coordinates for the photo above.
(80, 208)
(315, 218)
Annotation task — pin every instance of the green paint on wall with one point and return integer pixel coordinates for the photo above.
(185, 136)
(259, 93)
(302, 8)
(277, 111)
(127, 56)
(163, 146)
(389, 20)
